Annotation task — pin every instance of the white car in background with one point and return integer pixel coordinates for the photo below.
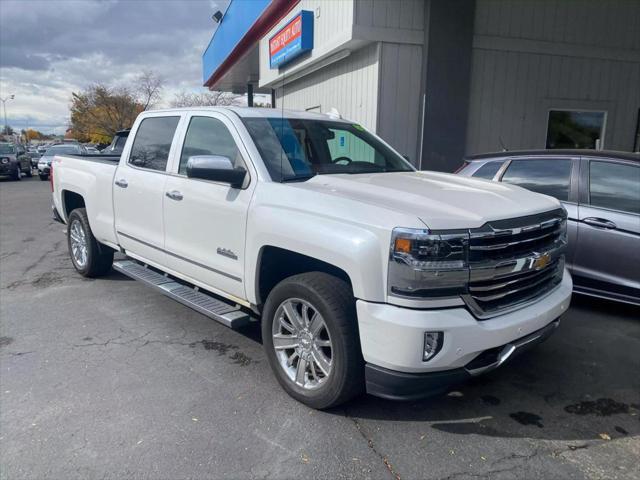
(44, 164)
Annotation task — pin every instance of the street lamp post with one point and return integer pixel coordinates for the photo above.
(4, 107)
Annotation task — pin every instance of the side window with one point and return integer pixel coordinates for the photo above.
(488, 170)
(153, 142)
(208, 136)
(615, 186)
(346, 145)
(550, 176)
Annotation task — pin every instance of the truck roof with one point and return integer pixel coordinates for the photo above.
(253, 112)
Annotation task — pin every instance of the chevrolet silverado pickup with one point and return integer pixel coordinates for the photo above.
(365, 274)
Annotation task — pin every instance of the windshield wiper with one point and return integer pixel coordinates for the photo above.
(297, 178)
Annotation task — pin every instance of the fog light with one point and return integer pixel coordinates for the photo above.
(432, 345)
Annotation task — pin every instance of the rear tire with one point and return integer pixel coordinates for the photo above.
(17, 176)
(314, 295)
(89, 257)
(29, 173)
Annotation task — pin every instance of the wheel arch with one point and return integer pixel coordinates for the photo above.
(277, 263)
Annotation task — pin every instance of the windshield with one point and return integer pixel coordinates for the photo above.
(4, 148)
(62, 150)
(297, 149)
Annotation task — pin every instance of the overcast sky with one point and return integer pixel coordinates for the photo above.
(50, 48)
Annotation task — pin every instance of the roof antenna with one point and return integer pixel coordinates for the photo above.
(504, 147)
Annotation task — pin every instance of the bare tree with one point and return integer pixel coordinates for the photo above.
(205, 99)
(148, 89)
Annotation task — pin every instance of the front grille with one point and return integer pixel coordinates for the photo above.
(515, 261)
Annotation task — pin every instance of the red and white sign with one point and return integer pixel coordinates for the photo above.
(287, 35)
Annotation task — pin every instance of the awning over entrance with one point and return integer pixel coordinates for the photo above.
(231, 60)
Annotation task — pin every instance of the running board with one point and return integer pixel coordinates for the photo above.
(229, 315)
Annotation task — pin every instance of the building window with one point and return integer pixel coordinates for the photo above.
(576, 129)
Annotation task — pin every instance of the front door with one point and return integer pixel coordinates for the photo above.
(138, 191)
(205, 221)
(607, 257)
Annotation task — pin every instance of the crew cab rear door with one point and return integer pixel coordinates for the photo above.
(139, 185)
(205, 221)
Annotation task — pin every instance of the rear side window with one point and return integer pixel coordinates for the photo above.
(550, 176)
(615, 186)
(153, 142)
(488, 170)
(208, 136)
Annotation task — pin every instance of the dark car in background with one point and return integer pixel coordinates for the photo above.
(44, 164)
(601, 192)
(13, 162)
(117, 144)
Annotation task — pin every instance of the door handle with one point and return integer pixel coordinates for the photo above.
(600, 223)
(174, 195)
(122, 183)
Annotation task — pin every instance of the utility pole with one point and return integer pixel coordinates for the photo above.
(4, 107)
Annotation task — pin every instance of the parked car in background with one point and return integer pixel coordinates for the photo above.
(117, 144)
(12, 163)
(34, 155)
(601, 192)
(44, 164)
(42, 149)
(92, 150)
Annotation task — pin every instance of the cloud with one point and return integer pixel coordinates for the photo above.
(50, 48)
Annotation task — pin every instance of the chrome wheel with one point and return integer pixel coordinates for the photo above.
(79, 248)
(302, 343)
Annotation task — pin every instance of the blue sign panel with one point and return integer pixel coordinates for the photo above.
(292, 40)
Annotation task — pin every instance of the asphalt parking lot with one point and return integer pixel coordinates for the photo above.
(108, 379)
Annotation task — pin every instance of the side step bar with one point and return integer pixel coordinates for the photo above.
(222, 312)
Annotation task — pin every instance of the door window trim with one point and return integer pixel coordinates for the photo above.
(585, 199)
(573, 195)
(182, 135)
(134, 133)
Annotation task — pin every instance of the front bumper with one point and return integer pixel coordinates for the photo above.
(392, 337)
(393, 385)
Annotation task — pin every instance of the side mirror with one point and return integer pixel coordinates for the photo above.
(216, 168)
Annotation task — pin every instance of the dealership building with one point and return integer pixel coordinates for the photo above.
(441, 79)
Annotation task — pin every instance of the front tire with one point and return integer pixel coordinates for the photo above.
(89, 258)
(310, 335)
(43, 177)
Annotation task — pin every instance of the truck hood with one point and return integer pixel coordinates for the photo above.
(439, 200)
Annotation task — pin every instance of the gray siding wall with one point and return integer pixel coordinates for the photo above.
(518, 74)
(400, 98)
(350, 85)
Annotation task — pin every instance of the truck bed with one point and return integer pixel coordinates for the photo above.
(90, 176)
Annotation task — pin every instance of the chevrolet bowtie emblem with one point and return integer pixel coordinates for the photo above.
(542, 261)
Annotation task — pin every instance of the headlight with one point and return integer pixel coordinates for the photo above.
(428, 264)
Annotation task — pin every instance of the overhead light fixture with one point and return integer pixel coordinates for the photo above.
(217, 17)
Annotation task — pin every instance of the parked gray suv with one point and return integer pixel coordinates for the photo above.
(601, 192)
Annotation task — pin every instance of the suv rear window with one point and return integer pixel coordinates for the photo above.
(488, 170)
(550, 176)
(153, 142)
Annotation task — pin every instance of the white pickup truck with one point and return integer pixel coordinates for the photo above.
(364, 273)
